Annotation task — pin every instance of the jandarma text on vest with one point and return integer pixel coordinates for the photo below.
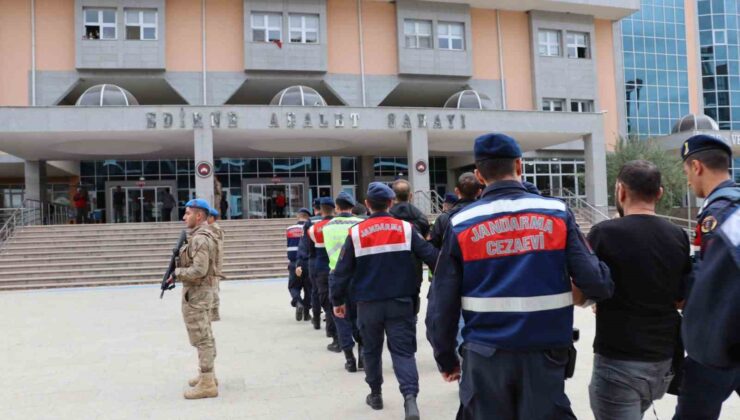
(381, 227)
(511, 223)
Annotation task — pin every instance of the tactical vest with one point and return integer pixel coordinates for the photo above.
(384, 263)
(515, 290)
(293, 235)
(187, 254)
(335, 234)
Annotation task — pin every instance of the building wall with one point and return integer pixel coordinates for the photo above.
(517, 60)
(224, 41)
(379, 32)
(184, 41)
(606, 78)
(55, 39)
(692, 55)
(486, 52)
(15, 50)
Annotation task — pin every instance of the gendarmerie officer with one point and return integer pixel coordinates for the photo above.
(296, 282)
(306, 259)
(320, 269)
(710, 328)
(220, 236)
(507, 261)
(378, 257)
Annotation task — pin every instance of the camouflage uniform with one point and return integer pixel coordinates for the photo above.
(219, 234)
(196, 271)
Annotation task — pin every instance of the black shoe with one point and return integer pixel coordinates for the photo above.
(351, 364)
(375, 401)
(306, 314)
(334, 346)
(298, 312)
(316, 321)
(409, 405)
(360, 358)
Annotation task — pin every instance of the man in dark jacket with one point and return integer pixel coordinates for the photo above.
(404, 210)
(467, 189)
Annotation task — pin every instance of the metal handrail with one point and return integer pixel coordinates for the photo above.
(17, 218)
(579, 202)
(48, 213)
(421, 198)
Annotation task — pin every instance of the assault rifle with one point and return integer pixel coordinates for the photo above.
(166, 285)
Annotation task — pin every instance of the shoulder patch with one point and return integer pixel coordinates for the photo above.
(708, 224)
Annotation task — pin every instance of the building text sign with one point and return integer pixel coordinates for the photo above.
(404, 121)
(194, 119)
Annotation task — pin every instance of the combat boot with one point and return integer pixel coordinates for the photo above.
(193, 382)
(206, 388)
(299, 311)
(351, 364)
(360, 358)
(306, 314)
(409, 405)
(316, 321)
(375, 400)
(334, 346)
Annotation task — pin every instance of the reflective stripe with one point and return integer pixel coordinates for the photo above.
(292, 248)
(506, 206)
(381, 249)
(731, 228)
(311, 233)
(517, 304)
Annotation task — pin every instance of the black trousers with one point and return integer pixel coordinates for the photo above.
(297, 284)
(322, 282)
(514, 385)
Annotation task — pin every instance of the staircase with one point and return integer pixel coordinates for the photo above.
(132, 253)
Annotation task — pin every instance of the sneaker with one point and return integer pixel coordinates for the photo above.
(375, 400)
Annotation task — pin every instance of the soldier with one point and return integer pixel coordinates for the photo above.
(378, 258)
(320, 269)
(710, 331)
(306, 258)
(197, 272)
(297, 282)
(335, 233)
(507, 262)
(219, 233)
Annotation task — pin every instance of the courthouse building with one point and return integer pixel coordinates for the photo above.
(300, 97)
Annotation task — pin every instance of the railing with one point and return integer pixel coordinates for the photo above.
(13, 219)
(685, 224)
(45, 213)
(583, 208)
(429, 202)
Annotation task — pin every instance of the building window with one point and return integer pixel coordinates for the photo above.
(553, 105)
(141, 24)
(450, 36)
(578, 45)
(549, 42)
(100, 23)
(267, 27)
(719, 36)
(418, 33)
(579, 105)
(304, 29)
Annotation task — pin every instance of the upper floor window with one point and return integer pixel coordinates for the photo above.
(450, 35)
(267, 27)
(579, 105)
(100, 23)
(578, 45)
(141, 24)
(549, 42)
(304, 29)
(553, 105)
(418, 33)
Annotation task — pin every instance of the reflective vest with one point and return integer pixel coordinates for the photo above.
(335, 234)
(515, 289)
(315, 232)
(293, 235)
(384, 267)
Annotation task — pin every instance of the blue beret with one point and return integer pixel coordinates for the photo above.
(496, 146)
(199, 203)
(702, 142)
(304, 210)
(450, 198)
(316, 202)
(346, 199)
(531, 188)
(326, 201)
(379, 191)
(213, 212)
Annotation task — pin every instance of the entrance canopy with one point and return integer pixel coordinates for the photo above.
(166, 132)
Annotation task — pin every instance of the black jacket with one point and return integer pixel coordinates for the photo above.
(408, 212)
(443, 220)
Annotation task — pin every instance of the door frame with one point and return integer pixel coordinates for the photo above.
(172, 184)
(269, 181)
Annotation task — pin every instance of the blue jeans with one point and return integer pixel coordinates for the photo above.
(625, 389)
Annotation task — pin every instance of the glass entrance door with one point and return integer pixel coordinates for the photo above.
(274, 201)
(141, 204)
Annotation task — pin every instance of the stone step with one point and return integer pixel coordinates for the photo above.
(105, 270)
(84, 246)
(149, 226)
(114, 282)
(78, 252)
(240, 230)
(137, 239)
(30, 261)
(161, 261)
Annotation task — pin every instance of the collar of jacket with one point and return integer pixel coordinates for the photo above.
(344, 214)
(503, 187)
(380, 214)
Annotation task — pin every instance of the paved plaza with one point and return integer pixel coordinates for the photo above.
(121, 353)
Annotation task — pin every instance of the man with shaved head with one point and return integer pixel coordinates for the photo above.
(467, 190)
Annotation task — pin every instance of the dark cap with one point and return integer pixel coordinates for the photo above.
(531, 188)
(345, 199)
(379, 191)
(316, 202)
(326, 201)
(304, 210)
(496, 146)
(702, 142)
(450, 198)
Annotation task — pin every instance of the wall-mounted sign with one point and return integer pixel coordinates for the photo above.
(736, 139)
(436, 122)
(195, 119)
(320, 120)
(421, 166)
(203, 169)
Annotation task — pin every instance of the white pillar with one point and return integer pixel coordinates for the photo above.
(594, 151)
(418, 152)
(203, 152)
(336, 175)
(35, 174)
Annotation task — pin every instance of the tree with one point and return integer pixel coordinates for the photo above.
(669, 164)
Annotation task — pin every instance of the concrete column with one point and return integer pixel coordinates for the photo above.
(594, 150)
(203, 152)
(366, 173)
(336, 175)
(35, 174)
(418, 150)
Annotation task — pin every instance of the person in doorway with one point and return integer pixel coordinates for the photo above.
(80, 203)
(224, 204)
(637, 329)
(268, 207)
(280, 203)
(168, 203)
(119, 202)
